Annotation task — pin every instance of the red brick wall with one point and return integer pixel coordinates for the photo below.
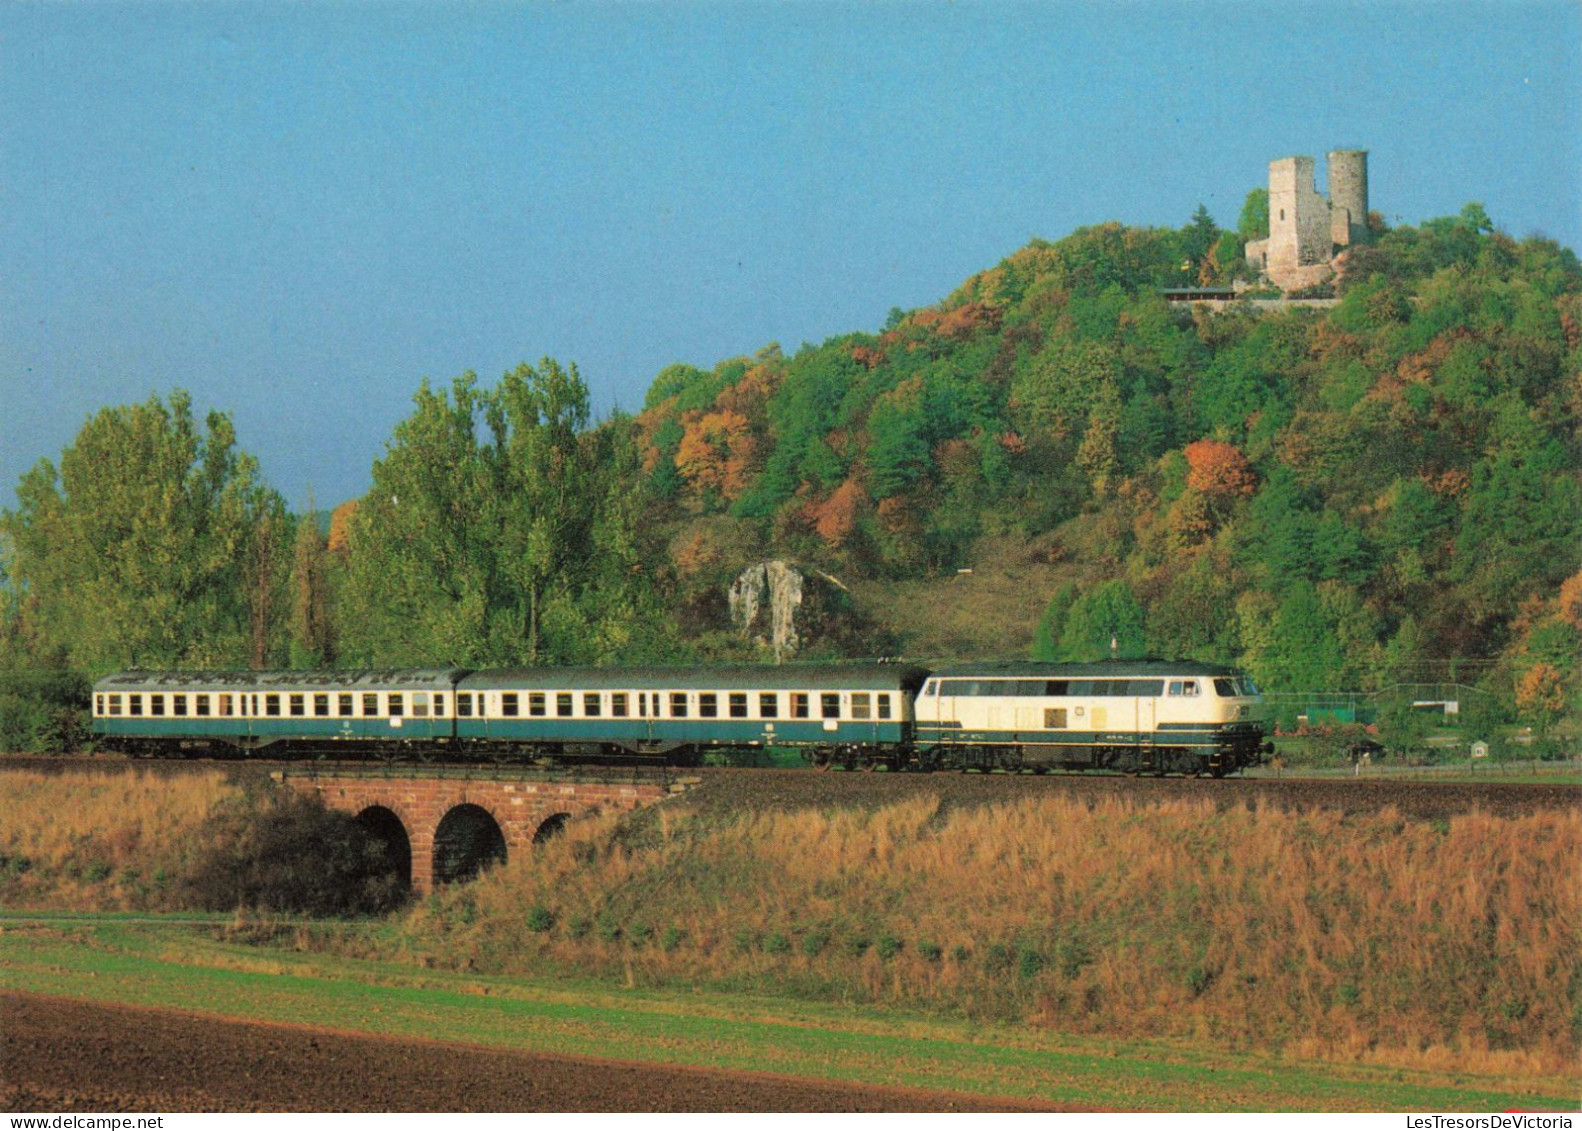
(519, 807)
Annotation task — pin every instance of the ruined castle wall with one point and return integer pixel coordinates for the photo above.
(1299, 225)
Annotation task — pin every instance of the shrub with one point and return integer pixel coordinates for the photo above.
(777, 943)
(930, 951)
(889, 946)
(540, 918)
(282, 851)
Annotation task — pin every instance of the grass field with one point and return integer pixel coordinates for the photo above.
(179, 966)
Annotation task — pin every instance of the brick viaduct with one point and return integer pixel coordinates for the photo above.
(444, 826)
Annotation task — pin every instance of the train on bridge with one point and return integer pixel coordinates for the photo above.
(1146, 716)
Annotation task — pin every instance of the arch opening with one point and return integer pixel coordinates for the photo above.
(389, 846)
(467, 841)
(552, 827)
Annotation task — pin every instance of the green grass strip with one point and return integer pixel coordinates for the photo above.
(178, 967)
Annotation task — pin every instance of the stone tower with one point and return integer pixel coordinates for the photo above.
(1305, 229)
(1348, 195)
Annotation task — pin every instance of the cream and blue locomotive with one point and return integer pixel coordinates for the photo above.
(1146, 716)
(1135, 717)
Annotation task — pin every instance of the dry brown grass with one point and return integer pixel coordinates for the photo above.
(1366, 938)
(79, 840)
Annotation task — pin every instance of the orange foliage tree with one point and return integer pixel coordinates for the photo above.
(717, 453)
(1219, 470)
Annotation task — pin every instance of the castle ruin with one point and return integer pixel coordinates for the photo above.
(1306, 231)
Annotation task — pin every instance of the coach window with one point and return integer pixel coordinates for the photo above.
(618, 704)
(535, 704)
(563, 704)
(738, 704)
(200, 706)
(343, 704)
(134, 704)
(272, 706)
(156, 704)
(115, 704)
(768, 705)
(591, 704)
(178, 706)
(98, 704)
(799, 704)
(464, 704)
(861, 706)
(511, 704)
(678, 704)
(321, 705)
(370, 704)
(298, 706)
(830, 703)
(439, 706)
(884, 705)
(225, 706)
(709, 705)
(397, 705)
(420, 704)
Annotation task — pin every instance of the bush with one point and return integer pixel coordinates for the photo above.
(540, 919)
(286, 852)
(889, 946)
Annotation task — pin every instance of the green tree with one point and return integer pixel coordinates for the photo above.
(137, 551)
(1105, 622)
(1253, 223)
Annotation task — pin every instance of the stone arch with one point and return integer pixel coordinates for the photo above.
(550, 827)
(467, 841)
(386, 827)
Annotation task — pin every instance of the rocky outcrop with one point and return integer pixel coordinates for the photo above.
(782, 607)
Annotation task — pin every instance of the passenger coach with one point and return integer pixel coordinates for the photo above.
(199, 713)
(834, 712)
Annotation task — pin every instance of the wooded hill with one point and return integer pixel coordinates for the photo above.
(1385, 490)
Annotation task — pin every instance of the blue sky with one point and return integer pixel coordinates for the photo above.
(298, 211)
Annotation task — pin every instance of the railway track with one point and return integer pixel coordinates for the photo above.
(718, 789)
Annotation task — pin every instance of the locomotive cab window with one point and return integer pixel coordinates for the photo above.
(1183, 687)
(1224, 688)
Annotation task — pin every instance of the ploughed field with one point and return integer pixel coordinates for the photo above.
(60, 1055)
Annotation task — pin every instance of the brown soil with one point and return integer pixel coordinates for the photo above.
(724, 790)
(61, 1055)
